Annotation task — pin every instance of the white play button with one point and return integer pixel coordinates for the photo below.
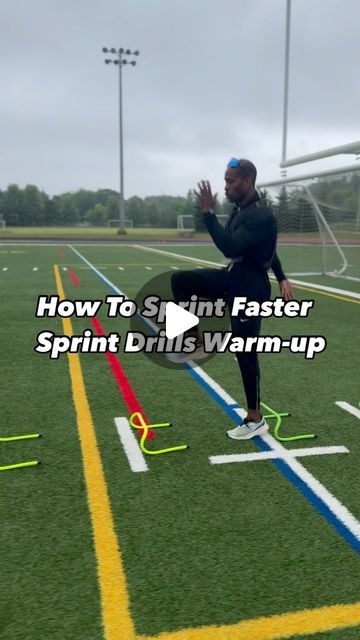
(178, 320)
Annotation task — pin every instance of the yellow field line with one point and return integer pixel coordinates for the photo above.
(274, 627)
(113, 590)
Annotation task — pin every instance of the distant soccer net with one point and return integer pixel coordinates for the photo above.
(129, 224)
(318, 224)
(186, 224)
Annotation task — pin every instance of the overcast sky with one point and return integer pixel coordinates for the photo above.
(208, 85)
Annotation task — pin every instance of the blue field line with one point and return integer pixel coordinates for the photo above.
(322, 508)
(230, 410)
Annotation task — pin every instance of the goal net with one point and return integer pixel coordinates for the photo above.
(129, 224)
(318, 224)
(186, 224)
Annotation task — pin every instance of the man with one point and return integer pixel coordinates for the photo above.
(249, 241)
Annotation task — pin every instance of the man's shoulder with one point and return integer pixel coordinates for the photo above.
(261, 211)
(264, 209)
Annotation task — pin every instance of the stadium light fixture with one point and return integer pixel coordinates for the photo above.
(120, 61)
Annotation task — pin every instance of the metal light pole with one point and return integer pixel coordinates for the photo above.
(120, 60)
(286, 79)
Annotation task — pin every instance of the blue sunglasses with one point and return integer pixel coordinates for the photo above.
(234, 163)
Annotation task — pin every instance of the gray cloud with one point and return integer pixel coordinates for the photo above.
(208, 85)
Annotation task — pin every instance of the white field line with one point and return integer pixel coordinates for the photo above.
(349, 407)
(334, 505)
(177, 255)
(282, 455)
(131, 447)
(351, 294)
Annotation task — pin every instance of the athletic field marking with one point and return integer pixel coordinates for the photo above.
(321, 289)
(323, 500)
(270, 627)
(112, 583)
(349, 407)
(282, 455)
(177, 255)
(121, 268)
(285, 625)
(123, 383)
(149, 268)
(15, 252)
(316, 493)
(130, 444)
(124, 264)
(73, 277)
(4, 252)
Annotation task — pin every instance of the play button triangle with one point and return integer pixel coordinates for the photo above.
(178, 320)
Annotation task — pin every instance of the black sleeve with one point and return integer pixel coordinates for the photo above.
(248, 234)
(277, 268)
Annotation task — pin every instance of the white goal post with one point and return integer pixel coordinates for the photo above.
(129, 224)
(318, 219)
(186, 223)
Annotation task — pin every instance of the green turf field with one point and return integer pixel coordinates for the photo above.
(109, 233)
(186, 550)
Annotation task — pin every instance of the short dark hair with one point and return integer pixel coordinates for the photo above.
(248, 168)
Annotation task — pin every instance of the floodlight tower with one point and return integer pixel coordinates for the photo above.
(286, 79)
(120, 60)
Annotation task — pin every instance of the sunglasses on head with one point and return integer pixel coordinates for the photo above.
(234, 163)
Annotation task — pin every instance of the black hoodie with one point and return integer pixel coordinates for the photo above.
(250, 234)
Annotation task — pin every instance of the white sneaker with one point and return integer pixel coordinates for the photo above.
(180, 358)
(249, 429)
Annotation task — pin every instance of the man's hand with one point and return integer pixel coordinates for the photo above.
(286, 290)
(205, 198)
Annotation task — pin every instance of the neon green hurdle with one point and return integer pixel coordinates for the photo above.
(18, 465)
(278, 416)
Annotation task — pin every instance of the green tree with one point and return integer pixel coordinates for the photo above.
(13, 205)
(97, 215)
(33, 206)
(112, 207)
(67, 213)
(135, 210)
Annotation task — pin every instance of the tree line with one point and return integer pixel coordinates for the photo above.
(31, 206)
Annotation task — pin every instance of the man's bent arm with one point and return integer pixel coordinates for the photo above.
(233, 244)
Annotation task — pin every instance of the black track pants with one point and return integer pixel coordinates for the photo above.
(219, 283)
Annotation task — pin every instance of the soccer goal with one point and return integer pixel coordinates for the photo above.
(129, 224)
(186, 224)
(318, 222)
